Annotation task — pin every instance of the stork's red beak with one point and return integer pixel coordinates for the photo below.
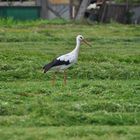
(86, 43)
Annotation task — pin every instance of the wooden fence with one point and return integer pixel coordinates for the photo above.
(116, 12)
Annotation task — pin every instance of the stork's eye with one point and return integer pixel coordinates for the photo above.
(81, 38)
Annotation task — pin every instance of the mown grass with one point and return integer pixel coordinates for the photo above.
(101, 99)
(87, 132)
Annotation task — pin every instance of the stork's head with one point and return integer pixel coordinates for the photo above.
(80, 38)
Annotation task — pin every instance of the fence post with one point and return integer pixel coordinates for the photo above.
(44, 10)
(82, 9)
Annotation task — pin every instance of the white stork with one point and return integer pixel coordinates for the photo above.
(65, 61)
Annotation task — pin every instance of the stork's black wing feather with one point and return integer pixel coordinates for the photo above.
(54, 63)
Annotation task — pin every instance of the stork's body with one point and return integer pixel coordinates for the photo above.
(63, 62)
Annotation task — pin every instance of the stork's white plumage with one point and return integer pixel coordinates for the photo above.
(63, 62)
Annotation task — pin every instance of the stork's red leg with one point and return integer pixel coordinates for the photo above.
(65, 78)
(53, 80)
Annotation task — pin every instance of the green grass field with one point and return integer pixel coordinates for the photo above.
(101, 100)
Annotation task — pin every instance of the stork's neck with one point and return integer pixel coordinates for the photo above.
(76, 50)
